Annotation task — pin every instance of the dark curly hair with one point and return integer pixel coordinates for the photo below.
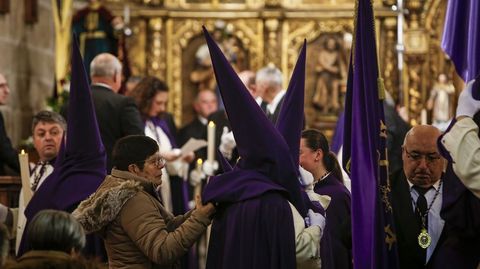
(145, 91)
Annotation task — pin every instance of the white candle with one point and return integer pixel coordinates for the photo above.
(198, 188)
(25, 175)
(126, 14)
(423, 117)
(211, 141)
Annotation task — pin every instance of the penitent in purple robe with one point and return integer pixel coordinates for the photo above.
(80, 166)
(338, 226)
(253, 226)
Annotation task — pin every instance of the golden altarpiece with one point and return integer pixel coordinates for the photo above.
(167, 42)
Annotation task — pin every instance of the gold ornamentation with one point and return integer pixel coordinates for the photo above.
(390, 237)
(137, 49)
(155, 63)
(180, 32)
(424, 239)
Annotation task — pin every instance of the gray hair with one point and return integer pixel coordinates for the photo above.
(49, 117)
(55, 230)
(105, 65)
(271, 75)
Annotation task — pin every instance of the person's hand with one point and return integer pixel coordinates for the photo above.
(207, 209)
(315, 219)
(196, 177)
(209, 167)
(189, 157)
(171, 155)
(227, 143)
(467, 106)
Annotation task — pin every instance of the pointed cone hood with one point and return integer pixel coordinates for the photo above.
(224, 164)
(290, 119)
(260, 146)
(61, 152)
(80, 165)
(81, 113)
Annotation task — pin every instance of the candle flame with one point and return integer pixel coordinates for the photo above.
(211, 124)
(199, 161)
(22, 152)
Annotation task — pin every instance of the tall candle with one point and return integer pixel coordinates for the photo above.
(198, 188)
(423, 116)
(211, 141)
(25, 175)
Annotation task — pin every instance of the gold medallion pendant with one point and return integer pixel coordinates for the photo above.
(424, 239)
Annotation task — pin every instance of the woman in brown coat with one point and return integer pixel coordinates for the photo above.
(126, 210)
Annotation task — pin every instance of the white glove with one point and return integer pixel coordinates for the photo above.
(315, 219)
(196, 177)
(467, 106)
(209, 167)
(227, 143)
(306, 178)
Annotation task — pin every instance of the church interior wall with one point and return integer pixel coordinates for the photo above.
(27, 60)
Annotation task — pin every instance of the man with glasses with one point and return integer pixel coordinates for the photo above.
(417, 197)
(436, 219)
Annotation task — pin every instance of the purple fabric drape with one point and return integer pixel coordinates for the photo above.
(365, 151)
(461, 38)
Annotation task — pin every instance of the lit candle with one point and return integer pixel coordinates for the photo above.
(423, 117)
(199, 165)
(126, 14)
(198, 188)
(25, 175)
(211, 142)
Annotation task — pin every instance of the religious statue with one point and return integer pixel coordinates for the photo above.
(97, 30)
(203, 75)
(330, 70)
(440, 102)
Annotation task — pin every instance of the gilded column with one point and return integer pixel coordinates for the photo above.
(155, 65)
(388, 56)
(272, 45)
(416, 51)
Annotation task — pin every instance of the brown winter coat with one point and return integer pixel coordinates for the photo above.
(138, 232)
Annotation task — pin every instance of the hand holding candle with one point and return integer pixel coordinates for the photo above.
(199, 173)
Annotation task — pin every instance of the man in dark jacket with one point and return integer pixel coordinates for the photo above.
(8, 155)
(117, 115)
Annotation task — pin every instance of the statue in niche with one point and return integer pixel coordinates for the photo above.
(331, 71)
(440, 102)
(203, 75)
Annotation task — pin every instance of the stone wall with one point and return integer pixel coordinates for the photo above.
(27, 60)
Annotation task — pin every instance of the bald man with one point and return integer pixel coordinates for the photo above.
(117, 115)
(205, 104)
(417, 198)
(422, 201)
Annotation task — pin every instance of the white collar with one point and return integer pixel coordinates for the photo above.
(273, 105)
(203, 120)
(102, 85)
(435, 186)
